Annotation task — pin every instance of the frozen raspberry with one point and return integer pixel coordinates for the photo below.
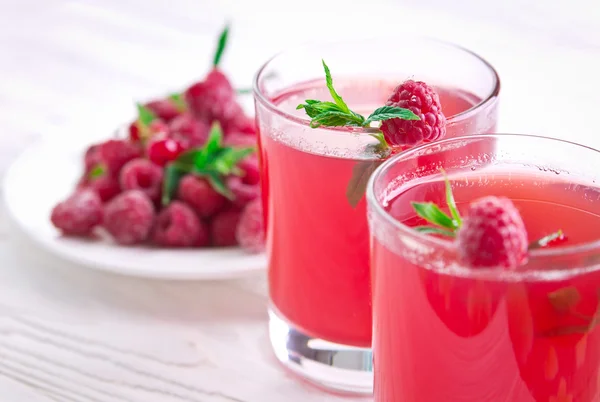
(79, 214)
(141, 174)
(493, 234)
(223, 228)
(178, 226)
(243, 192)
(164, 150)
(200, 196)
(422, 101)
(239, 140)
(250, 232)
(129, 217)
(116, 153)
(164, 109)
(213, 98)
(188, 131)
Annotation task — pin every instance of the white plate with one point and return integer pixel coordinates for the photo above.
(47, 172)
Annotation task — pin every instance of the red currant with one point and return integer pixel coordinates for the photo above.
(134, 132)
(163, 151)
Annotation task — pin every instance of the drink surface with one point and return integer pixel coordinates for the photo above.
(318, 243)
(444, 335)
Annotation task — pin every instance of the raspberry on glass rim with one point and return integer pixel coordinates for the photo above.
(486, 272)
(322, 132)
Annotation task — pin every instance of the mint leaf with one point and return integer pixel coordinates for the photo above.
(179, 101)
(361, 172)
(145, 115)
(336, 119)
(313, 107)
(564, 299)
(218, 184)
(391, 112)
(221, 44)
(244, 91)
(433, 214)
(336, 97)
(451, 202)
(546, 240)
(172, 176)
(434, 230)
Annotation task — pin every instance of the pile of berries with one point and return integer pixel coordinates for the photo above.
(184, 177)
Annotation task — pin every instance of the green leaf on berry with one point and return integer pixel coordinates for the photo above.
(433, 214)
(213, 161)
(145, 115)
(179, 102)
(221, 44)
(97, 171)
(391, 112)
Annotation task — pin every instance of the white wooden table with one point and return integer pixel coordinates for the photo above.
(67, 334)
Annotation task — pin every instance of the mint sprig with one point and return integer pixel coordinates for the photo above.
(179, 101)
(145, 115)
(338, 113)
(221, 45)
(448, 224)
(213, 162)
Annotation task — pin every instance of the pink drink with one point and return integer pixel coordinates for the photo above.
(319, 243)
(317, 238)
(447, 333)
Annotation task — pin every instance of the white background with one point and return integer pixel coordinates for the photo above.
(67, 67)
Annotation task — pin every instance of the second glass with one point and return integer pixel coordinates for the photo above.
(313, 180)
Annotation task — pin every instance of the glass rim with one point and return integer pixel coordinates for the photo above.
(266, 102)
(423, 238)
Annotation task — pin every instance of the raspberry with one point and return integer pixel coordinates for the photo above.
(164, 109)
(106, 186)
(178, 226)
(141, 174)
(250, 232)
(244, 193)
(188, 131)
(212, 99)
(200, 196)
(92, 157)
(493, 234)
(129, 217)
(422, 101)
(79, 214)
(116, 153)
(157, 128)
(164, 150)
(223, 228)
(239, 140)
(240, 123)
(251, 170)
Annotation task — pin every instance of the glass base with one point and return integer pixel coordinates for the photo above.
(335, 367)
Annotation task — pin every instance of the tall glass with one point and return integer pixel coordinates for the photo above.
(446, 332)
(317, 232)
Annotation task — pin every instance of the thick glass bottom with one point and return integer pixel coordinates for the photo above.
(334, 367)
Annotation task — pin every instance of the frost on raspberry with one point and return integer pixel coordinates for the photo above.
(492, 234)
(178, 226)
(250, 231)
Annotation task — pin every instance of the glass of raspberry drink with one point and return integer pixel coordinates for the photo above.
(319, 141)
(485, 276)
